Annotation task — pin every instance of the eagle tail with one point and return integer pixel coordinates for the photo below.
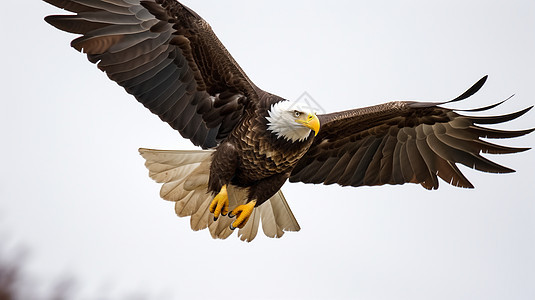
(184, 175)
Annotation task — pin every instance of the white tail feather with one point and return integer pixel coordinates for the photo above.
(185, 175)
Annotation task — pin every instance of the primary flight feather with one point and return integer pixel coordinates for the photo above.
(170, 60)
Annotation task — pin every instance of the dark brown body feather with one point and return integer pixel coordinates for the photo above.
(168, 57)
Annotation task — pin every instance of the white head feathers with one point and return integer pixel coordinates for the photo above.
(282, 120)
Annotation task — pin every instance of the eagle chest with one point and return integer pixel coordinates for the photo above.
(261, 155)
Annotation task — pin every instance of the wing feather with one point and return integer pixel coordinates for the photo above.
(387, 161)
(406, 168)
(167, 57)
(364, 160)
(397, 173)
(374, 168)
(419, 167)
(405, 142)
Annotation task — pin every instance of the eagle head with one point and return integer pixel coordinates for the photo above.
(292, 121)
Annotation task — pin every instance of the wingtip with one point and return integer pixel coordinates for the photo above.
(471, 91)
(488, 107)
(482, 81)
(520, 150)
(501, 118)
(50, 19)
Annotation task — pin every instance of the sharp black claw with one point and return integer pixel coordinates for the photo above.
(232, 227)
(231, 216)
(215, 219)
(223, 214)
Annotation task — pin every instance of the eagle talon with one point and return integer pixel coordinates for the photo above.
(219, 205)
(242, 213)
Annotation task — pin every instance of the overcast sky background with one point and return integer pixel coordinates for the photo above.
(75, 193)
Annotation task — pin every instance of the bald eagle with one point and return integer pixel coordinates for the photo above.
(170, 60)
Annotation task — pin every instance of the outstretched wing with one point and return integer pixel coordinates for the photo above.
(168, 57)
(402, 142)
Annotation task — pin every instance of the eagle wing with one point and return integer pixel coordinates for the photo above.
(167, 57)
(404, 142)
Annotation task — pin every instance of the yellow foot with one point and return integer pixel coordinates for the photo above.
(242, 213)
(220, 203)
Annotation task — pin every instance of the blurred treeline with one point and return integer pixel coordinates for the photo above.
(16, 283)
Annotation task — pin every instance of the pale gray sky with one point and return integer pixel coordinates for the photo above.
(74, 190)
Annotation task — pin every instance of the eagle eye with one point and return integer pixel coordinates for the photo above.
(297, 113)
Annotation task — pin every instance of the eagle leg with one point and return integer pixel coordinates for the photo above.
(242, 213)
(220, 203)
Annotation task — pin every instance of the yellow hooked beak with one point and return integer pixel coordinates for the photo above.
(311, 122)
